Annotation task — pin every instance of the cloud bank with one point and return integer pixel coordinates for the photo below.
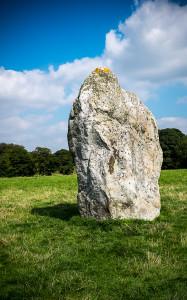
(147, 51)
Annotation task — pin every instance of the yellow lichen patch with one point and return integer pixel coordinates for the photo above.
(106, 70)
(102, 70)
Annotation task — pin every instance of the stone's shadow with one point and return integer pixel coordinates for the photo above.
(63, 211)
(69, 212)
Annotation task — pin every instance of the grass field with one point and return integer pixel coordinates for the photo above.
(49, 252)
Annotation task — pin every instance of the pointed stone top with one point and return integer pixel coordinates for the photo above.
(101, 76)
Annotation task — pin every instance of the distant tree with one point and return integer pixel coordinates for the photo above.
(43, 161)
(15, 161)
(4, 160)
(64, 162)
(173, 143)
(184, 152)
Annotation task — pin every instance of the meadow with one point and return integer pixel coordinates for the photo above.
(49, 252)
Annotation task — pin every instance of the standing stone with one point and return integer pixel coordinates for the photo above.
(115, 143)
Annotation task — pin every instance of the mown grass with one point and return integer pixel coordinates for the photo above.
(49, 252)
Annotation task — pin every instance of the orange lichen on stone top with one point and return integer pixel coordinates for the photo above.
(102, 70)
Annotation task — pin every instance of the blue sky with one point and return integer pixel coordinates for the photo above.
(49, 47)
(35, 34)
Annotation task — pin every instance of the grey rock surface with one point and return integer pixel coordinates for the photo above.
(115, 143)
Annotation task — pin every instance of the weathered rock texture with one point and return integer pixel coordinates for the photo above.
(114, 139)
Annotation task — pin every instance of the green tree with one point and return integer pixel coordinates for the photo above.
(43, 160)
(173, 144)
(184, 152)
(15, 161)
(64, 162)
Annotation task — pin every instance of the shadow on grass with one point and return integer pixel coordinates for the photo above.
(60, 211)
(69, 212)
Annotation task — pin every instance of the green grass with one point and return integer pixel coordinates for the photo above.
(49, 252)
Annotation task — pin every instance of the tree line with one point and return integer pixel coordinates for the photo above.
(174, 146)
(15, 160)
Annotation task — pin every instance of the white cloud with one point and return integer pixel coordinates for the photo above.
(182, 100)
(151, 45)
(173, 122)
(33, 131)
(36, 89)
(148, 50)
(29, 89)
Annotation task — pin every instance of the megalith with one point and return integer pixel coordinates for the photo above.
(115, 143)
